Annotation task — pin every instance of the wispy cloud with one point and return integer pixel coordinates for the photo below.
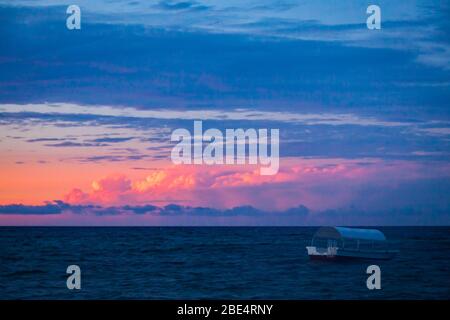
(205, 114)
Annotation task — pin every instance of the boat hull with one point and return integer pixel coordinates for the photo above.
(349, 254)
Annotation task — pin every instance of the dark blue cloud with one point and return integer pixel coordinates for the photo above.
(301, 215)
(135, 66)
(45, 139)
(112, 139)
(114, 158)
(141, 209)
(181, 5)
(75, 144)
(51, 208)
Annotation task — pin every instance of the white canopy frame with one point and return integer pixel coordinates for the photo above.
(343, 233)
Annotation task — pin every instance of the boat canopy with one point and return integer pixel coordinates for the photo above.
(339, 233)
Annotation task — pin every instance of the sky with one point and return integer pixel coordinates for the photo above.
(86, 115)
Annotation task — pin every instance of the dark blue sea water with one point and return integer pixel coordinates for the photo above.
(213, 263)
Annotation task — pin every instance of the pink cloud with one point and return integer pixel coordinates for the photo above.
(318, 184)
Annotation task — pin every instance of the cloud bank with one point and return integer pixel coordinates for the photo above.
(173, 214)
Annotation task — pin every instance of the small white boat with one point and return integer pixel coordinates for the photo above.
(349, 243)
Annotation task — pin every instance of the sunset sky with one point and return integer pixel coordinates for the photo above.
(86, 115)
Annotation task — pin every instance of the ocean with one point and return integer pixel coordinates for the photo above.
(213, 263)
